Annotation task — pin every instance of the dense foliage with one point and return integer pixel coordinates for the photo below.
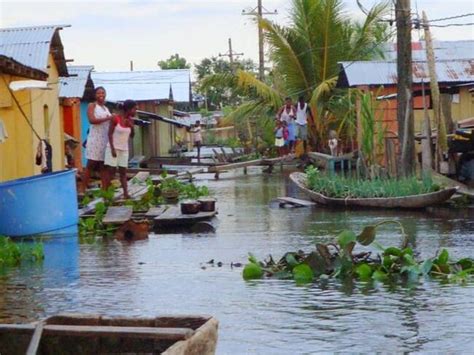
(174, 62)
(14, 254)
(305, 54)
(339, 260)
(347, 187)
(219, 95)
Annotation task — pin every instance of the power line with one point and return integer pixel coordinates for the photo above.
(259, 11)
(451, 17)
(454, 25)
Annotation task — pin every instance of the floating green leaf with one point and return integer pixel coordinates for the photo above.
(302, 273)
(291, 260)
(367, 236)
(392, 251)
(364, 271)
(252, 271)
(443, 257)
(379, 275)
(346, 237)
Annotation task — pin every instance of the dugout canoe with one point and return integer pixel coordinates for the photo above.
(94, 334)
(413, 201)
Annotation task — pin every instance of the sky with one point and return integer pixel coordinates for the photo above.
(109, 34)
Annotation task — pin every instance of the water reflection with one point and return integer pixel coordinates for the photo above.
(164, 275)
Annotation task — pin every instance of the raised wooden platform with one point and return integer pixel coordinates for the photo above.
(117, 215)
(173, 217)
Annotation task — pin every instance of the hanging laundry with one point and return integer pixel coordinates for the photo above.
(3, 132)
(44, 156)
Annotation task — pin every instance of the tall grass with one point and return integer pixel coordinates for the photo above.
(346, 187)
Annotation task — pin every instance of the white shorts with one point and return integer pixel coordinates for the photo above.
(121, 160)
(279, 142)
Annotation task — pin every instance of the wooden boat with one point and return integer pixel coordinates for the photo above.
(95, 334)
(413, 201)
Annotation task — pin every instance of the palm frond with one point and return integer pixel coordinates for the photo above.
(247, 81)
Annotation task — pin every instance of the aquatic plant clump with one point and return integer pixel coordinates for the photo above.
(345, 187)
(14, 254)
(338, 260)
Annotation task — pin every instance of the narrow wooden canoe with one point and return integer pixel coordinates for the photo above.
(413, 201)
(95, 334)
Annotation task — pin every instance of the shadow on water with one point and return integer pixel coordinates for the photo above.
(164, 274)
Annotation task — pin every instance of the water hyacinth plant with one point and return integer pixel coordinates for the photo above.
(338, 260)
(346, 187)
(14, 254)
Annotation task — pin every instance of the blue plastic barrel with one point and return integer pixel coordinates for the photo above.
(39, 204)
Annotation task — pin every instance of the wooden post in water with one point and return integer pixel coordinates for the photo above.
(426, 152)
(441, 140)
(405, 118)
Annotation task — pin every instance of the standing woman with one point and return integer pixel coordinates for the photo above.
(116, 152)
(99, 117)
(288, 114)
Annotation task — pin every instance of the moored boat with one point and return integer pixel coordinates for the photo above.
(95, 334)
(412, 201)
(40, 204)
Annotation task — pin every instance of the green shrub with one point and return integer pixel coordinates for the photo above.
(345, 187)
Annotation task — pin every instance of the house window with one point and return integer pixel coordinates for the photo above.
(455, 98)
(46, 119)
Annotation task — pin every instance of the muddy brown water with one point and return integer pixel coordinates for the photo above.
(168, 274)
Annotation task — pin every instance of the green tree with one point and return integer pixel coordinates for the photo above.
(219, 94)
(305, 56)
(174, 62)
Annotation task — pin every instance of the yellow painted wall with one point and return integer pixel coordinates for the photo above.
(465, 108)
(55, 133)
(17, 154)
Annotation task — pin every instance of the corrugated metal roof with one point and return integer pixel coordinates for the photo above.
(74, 86)
(30, 46)
(145, 85)
(385, 73)
(444, 50)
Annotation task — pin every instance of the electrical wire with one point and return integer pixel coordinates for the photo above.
(452, 17)
(453, 25)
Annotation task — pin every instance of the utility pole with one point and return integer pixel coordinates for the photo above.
(131, 65)
(441, 142)
(259, 11)
(231, 54)
(405, 118)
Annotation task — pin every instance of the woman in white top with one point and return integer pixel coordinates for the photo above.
(99, 117)
(116, 152)
(288, 114)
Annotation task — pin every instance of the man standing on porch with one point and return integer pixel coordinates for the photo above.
(302, 112)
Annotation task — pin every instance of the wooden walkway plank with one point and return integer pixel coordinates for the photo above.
(296, 202)
(155, 211)
(117, 214)
(134, 184)
(173, 216)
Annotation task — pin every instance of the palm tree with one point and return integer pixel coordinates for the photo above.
(305, 58)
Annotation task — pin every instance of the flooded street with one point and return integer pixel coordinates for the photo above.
(168, 274)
